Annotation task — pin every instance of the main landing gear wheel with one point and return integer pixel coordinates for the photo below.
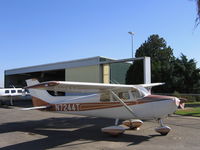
(113, 130)
(133, 123)
(163, 130)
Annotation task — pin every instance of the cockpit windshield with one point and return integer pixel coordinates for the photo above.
(139, 93)
(143, 91)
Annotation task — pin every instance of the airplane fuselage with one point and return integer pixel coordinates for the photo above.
(11, 92)
(149, 107)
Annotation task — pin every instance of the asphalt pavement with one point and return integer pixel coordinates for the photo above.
(39, 130)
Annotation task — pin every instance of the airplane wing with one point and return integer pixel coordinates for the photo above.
(150, 85)
(86, 87)
(81, 87)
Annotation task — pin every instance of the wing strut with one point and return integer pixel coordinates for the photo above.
(124, 104)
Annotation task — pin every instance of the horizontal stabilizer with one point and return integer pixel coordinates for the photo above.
(35, 108)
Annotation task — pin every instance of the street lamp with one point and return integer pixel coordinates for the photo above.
(131, 33)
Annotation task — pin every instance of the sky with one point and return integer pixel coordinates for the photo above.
(34, 32)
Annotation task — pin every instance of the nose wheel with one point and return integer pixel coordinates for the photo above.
(163, 130)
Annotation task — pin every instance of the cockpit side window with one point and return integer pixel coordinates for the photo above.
(7, 91)
(124, 95)
(107, 96)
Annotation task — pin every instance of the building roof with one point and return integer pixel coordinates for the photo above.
(59, 65)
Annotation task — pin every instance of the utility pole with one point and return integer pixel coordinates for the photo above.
(132, 33)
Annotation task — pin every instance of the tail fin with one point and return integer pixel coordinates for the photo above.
(39, 97)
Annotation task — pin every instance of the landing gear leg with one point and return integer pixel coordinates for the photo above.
(163, 130)
(11, 101)
(161, 122)
(116, 122)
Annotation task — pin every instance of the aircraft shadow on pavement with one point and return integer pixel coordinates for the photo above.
(84, 128)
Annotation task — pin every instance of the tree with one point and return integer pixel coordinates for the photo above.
(186, 76)
(161, 57)
(179, 74)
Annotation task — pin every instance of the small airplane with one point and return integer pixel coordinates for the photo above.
(131, 103)
(10, 93)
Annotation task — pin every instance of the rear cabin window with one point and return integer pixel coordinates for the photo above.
(124, 95)
(105, 97)
(13, 91)
(19, 91)
(7, 91)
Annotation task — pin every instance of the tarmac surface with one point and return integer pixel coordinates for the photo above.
(39, 130)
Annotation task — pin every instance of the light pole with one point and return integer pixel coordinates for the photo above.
(131, 33)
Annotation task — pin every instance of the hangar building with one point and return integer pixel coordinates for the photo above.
(95, 69)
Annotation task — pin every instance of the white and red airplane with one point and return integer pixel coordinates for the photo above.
(11, 93)
(118, 101)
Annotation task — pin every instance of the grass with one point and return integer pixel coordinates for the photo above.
(192, 111)
(194, 103)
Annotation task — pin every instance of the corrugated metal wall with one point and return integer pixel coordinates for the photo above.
(83, 74)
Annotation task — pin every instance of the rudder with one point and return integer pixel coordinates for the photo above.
(39, 97)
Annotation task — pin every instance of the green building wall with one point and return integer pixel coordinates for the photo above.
(118, 72)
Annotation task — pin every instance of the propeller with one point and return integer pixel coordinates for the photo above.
(182, 102)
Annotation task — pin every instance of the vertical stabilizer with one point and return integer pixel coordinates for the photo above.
(39, 97)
